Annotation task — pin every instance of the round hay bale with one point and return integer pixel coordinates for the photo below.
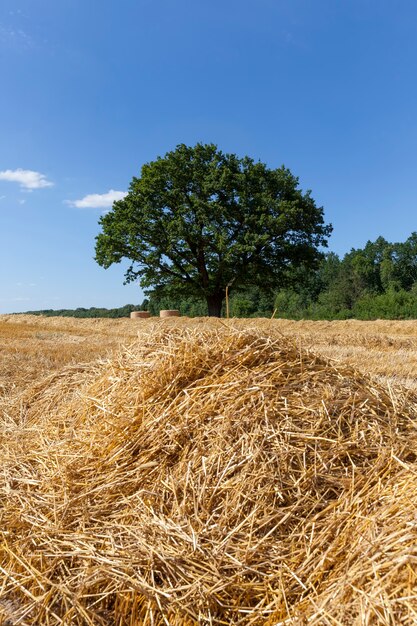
(169, 313)
(139, 314)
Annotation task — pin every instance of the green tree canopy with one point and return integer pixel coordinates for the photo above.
(197, 221)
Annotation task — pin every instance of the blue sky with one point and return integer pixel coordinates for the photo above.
(91, 90)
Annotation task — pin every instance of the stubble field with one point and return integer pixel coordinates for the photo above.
(207, 472)
(33, 346)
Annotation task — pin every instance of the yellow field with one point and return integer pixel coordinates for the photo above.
(33, 346)
(207, 472)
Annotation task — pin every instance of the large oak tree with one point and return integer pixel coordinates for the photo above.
(197, 221)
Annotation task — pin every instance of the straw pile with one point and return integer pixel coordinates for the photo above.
(209, 477)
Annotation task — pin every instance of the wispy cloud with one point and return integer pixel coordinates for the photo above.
(16, 30)
(98, 200)
(15, 37)
(27, 179)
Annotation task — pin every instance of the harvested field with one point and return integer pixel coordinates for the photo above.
(207, 472)
(33, 346)
(385, 349)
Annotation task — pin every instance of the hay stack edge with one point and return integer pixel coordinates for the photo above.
(208, 476)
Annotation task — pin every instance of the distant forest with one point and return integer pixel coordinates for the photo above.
(377, 281)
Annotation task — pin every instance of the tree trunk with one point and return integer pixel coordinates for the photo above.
(214, 304)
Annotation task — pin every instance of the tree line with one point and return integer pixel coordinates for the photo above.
(123, 311)
(376, 281)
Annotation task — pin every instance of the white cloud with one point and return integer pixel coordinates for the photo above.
(27, 179)
(98, 200)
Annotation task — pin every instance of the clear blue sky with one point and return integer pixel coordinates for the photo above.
(91, 90)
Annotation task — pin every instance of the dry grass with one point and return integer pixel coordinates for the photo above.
(385, 349)
(207, 473)
(33, 346)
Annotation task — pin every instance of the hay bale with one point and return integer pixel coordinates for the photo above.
(209, 477)
(169, 313)
(139, 315)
